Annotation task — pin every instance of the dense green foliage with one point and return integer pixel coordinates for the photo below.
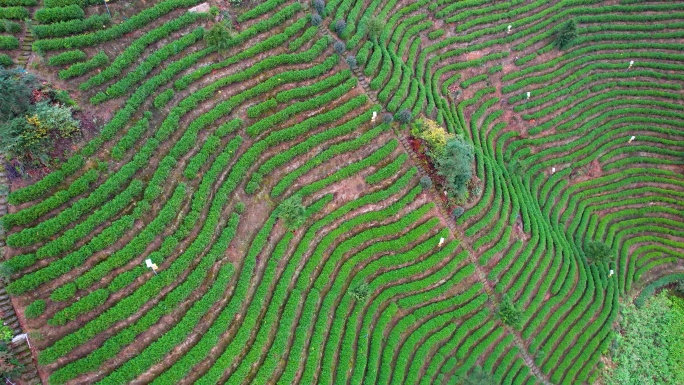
(566, 34)
(35, 309)
(15, 93)
(67, 57)
(30, 137)
(455, 164)
(219, 37)
(28, 130)
(598, 252)
(515, 177)
(57, 14)
(649, 345)
(508, 312)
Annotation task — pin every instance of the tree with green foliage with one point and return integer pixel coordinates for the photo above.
(339, 47)
(456, 164)
(434, 135)
(374, 28)
(351, 61)
(360, 291)
(478, 376)
(566, 35)
(680, 286)
(292, 212)
(404, 116)
(339, 27)
(598, 252)
(508, 313)
(6, 272)
(649, 347)
(319, 6)
(28, 130)
(218, 36)
(426, 182)
(31, 137)
(16, 88)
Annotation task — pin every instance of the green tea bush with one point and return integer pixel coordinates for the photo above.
(57, 14)
(64, 292)
(474, 80)
(8, 42)
(173, 299)
(14, 13)
(307, 36)
(163, 98)
(6, 60)
(259, 10)
(436, 34)
(25, 3)
(10, 26)
(340, 148)
(89, 302)
(161, 55)
(390, 170)
(79, 69)
(259, 109)
(67, 57)
(64, 3)
(71, 27)
(35, 309)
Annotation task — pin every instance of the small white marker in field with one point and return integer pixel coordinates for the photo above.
(611, 273)
(441, 242)
(20, 337)
(553, 170)
(445, 192)
(528, 95)
(153, 266)
(375, 115)
(509, 28)
(631, 139)
(631, 63)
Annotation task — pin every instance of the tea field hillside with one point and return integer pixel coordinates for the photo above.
(264, 157)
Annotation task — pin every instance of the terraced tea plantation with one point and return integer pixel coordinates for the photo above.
(273, 183)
